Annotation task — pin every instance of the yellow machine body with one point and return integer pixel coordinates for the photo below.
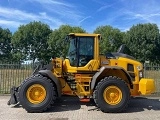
(83, 75)
(109, 79)
(146, 86)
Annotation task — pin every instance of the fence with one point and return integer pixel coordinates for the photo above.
(153, 71)
(13, 74)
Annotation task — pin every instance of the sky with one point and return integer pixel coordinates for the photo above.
(88, 14)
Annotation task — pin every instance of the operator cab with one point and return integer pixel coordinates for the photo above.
(81, 50)
(83, 53)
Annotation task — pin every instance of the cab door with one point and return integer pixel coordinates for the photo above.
(86, 56)
(82, 55)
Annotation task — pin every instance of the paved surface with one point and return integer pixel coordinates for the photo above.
(72, 109)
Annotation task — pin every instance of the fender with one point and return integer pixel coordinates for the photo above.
(49, 74)
(94, 79)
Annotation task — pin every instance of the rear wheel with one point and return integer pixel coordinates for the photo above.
(111, 95)
(37, 94)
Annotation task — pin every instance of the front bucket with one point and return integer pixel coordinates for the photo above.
(13, 99)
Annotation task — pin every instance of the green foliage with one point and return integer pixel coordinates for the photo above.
(5, 45)
(37, 41)
(30, 41)
(111, 38)
(143, 41)
(57, 42)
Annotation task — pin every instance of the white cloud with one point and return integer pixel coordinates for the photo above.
(52, 12)
(84, 19)
(52, 2)
(13, 18)
(124, 14)
(66, 11)
(14, 14)
(103, 7)
(10, 23)
(11, 13)
(151, 17)
(106, 6)
(143, 11)
(147, 17)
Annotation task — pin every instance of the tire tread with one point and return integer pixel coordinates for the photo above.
(38, 76)
(95, 97)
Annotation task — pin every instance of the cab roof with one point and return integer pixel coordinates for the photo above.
(84, 34)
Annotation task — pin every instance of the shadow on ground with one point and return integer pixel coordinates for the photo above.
(139, 104)
(70, 103)
(66, 103)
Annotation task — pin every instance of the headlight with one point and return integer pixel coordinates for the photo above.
(139, 68)
(141, 74)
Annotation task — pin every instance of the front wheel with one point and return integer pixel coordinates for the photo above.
(111, 95)
(37, 94)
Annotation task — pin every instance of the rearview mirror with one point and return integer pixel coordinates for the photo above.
(67, 38)
(99, 37)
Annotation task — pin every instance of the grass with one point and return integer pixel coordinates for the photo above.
(12, 77)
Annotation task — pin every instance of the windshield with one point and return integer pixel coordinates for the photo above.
(72, 48)
(72, 52)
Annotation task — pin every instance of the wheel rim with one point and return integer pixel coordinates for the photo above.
(112, 95)
(36, 94)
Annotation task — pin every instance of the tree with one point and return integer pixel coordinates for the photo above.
(112, 38)
(57, 41)
(143, 41)
(5, 45)
(30, 42)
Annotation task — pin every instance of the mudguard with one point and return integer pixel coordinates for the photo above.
(94, 79)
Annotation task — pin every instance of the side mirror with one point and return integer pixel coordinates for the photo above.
(70, 36)
(53, 57)
(99, 37)
(67, 38)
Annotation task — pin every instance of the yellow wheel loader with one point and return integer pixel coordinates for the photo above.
(109, 79)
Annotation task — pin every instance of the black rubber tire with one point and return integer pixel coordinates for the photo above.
(99, 99)
(50, 94)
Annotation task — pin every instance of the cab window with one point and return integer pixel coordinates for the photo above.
(86, 50)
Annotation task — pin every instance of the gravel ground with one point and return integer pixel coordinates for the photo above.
(69, 108)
